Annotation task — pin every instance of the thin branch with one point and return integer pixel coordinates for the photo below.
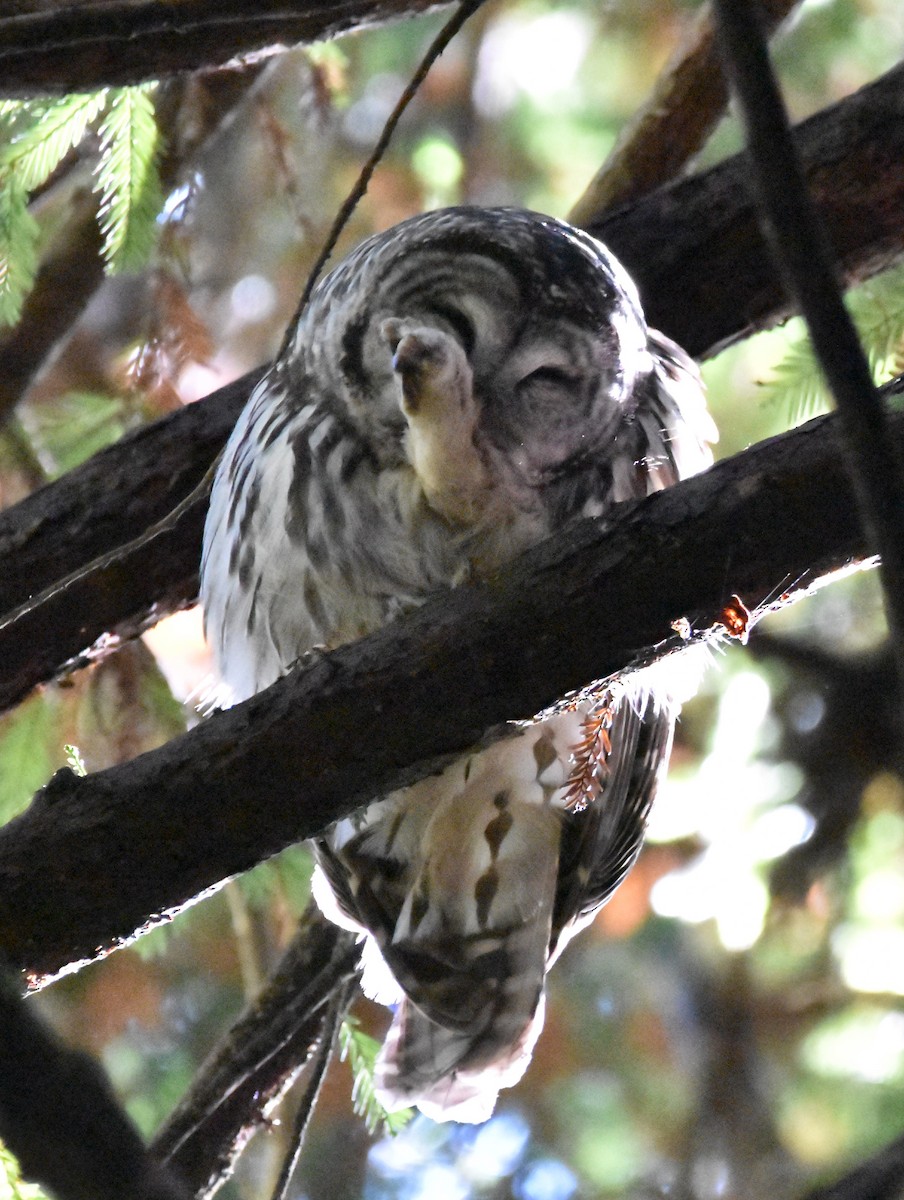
(317, 1068)
(87, 44)
(133, 843)
(696, 253)
(466, 9)
(801, 249)
(686, 104)
(256, 1061)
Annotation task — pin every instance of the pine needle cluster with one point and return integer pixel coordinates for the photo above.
(35, 138)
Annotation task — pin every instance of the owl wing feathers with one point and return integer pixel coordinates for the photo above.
(601, 843)
(672, 405)
(469, 936)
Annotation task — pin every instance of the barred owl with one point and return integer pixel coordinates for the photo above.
(457, 390)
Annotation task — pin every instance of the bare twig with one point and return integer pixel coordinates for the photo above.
(804, 257)
(465, 9)
(317, 1068)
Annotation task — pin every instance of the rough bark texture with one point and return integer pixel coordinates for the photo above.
(87, 44)
(257, 1059)
(88, 862)
(705, 276)
(91, 512)
(695, 248)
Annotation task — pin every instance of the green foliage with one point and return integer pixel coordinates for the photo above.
(127, 177)
(287, 876)
(66, 431)
(878, 312)
(29, 740)
(361, 1050)
(38, 147)
(12, 1185)
(35, 136)
(18, 248)
(154, 943)
(74, 760)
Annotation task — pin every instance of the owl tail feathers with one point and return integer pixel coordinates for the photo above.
(424, 1065)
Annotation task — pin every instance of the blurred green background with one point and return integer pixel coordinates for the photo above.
(732, 1025)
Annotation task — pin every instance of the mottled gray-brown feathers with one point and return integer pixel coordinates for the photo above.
(460, 388)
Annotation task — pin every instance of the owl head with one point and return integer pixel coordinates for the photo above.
(547, 323)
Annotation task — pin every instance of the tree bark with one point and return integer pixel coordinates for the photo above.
(705, 277)
(257, 1059)
(695, 248)
(85, 865)
(688, 101)
(87, 44)
(91, 514)
(60, 1118)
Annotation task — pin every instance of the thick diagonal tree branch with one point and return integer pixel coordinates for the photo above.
(702, 268)
(92, 512)
(91, 858)
(81, 45)
(59, 1116)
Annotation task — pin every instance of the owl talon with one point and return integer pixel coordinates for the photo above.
(427, 362)
(311, 656)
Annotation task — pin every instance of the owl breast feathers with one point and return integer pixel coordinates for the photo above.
(461, 387)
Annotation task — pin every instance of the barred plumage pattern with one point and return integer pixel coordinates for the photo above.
(458, 389)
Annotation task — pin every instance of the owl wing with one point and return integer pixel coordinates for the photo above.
(676, 427)
(455, 879)
(672, 432)
(253, 575)
(600, 844)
